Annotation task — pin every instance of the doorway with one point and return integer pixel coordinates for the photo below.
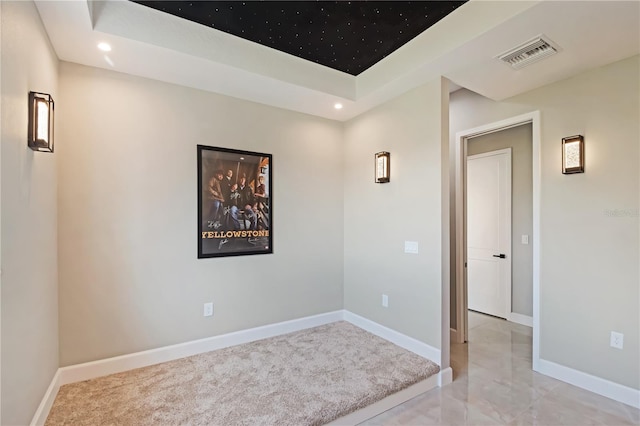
(461, 256)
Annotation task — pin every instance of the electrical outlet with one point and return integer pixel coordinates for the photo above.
(617, 340)
(385, 301)
(208, 309)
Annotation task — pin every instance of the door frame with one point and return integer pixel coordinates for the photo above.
(460, 220)
(508, 250)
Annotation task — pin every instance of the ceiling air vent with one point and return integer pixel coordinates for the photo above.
(528, 53)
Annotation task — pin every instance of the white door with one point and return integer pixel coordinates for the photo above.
(489, 232)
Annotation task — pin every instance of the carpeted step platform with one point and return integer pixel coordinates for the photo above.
(309, 377)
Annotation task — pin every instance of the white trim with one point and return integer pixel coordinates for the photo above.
(445, 376)
(460, 165)
(118, 364)
(40, 417)
(445, 240)
(603, 387)
(385, 404)
(498, 126)
(460, 152)
(521, 319)
(402, 340)
(536, 177)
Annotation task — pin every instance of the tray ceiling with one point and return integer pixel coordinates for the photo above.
(348, 36)
(463, 47)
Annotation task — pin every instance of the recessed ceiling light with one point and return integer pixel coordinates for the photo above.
(338, 106)
(105, 47)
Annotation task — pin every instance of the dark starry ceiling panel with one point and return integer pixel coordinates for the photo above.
(349, 36)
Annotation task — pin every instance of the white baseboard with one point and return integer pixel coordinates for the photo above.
(122, 363)
(521, 319)
(40, 417)
(90, 370)
(402, 340)
(445, 376)
(594, 384)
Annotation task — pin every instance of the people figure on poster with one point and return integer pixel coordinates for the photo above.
(234, 196)
(246, 193)
(246, 201)
(216, 198)
(234, 206)
(261, 190)
(226, 185)
(261, 205)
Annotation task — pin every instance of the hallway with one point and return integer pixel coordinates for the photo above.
(493, 384)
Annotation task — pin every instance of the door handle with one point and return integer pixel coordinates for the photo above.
(501, 256)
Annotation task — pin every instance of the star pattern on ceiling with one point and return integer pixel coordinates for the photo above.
(349, 36)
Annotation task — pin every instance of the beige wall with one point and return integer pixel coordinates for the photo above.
(129, 276)
(519, 139)
(379, 218)
(590, 283)
(126, 216)
(29, 233)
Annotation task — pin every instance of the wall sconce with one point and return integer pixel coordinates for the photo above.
(383, 167)
(40, 122)
(573, 155)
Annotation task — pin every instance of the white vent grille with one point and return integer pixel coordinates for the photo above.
(528, 53)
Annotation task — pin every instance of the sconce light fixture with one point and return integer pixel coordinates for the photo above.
(383, 167)
(40, 131)
(573, 155)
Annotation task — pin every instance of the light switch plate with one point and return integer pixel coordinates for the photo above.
(411, 247)
(525, 239)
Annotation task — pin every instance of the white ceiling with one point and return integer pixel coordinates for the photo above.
(461, 47)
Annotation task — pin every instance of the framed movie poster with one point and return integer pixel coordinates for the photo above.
(235, 202)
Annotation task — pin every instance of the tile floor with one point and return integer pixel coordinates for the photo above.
(493, 384)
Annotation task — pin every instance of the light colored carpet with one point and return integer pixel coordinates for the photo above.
(309, 377)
